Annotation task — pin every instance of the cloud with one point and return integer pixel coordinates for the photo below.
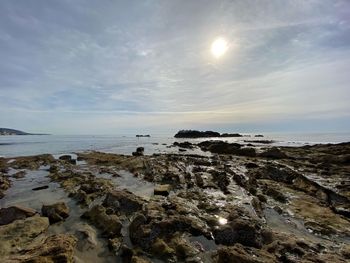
(134, 63)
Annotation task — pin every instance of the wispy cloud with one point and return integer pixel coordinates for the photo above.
(122, 63)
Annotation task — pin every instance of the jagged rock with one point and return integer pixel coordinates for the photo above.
(274, 153)
(123, 201)
(161, 249)
(55, 212)
(241, 254)
(87, 237)
(65, 157)
(12, 213)
(57, 248)
(109, 224)
(20, 233)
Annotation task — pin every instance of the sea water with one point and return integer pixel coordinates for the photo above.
(23, 145)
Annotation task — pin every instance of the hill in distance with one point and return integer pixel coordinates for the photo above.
(6, 131)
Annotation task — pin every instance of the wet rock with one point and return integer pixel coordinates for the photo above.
(12, 213)
(19, 174)
(32, 162)
(139, 233)
(221, 179)
(20, 233)
(241, 254)
(161, 249)
(115, 244)
(219, 147)
(40, 188)
(55, 212)
(65, 157)
(274, 153)
(251, 165)
(139, 151)
(239, 231)
(87, 237)
(275, 194)
(57, 248)
(184, 249)
(162, 189)
(109, 224)
(5, 184)
(185, 145)
(123, 201)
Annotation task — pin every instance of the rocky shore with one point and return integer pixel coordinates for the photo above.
(235, 203)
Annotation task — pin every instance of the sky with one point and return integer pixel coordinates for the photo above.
(119, 67)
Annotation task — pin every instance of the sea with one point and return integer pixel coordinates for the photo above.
(25, 145)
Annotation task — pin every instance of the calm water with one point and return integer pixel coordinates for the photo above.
(11, 146)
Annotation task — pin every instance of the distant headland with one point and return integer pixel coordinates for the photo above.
(6, 131)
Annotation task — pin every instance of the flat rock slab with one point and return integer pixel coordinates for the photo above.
(12, 213)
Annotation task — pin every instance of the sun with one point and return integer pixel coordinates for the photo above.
(219, 47)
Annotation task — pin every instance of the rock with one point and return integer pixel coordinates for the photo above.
(20, 233)
(65, 157)
(240, 254)
(162, 189)
(109, 224)
(139, 151)
(196, 134)
(57, 248)
(87, 237)
(251, 165)
(275, 194)
(123, 201)
(12, 213)
(40, 188)
(136, 259)
(258, 135)
(240, 228)
(161, 249)
(115, 244)
(219, 147)
(274, 153)
(239, 231)
(19, 174)
(185, 145)
(55, 212)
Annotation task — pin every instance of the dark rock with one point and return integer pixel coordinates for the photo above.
(12, 213)
(196, 134)
(65, 157)
(240, 231)
(40, 188)
(273, 153)
(186, 145)
(251, 165)
(139, 151)
(55, 212)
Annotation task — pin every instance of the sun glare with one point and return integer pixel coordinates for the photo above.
(219, 47)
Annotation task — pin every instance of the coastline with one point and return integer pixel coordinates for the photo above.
(178, 207)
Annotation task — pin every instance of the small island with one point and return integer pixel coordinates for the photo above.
(204, 134)
(142, 135)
